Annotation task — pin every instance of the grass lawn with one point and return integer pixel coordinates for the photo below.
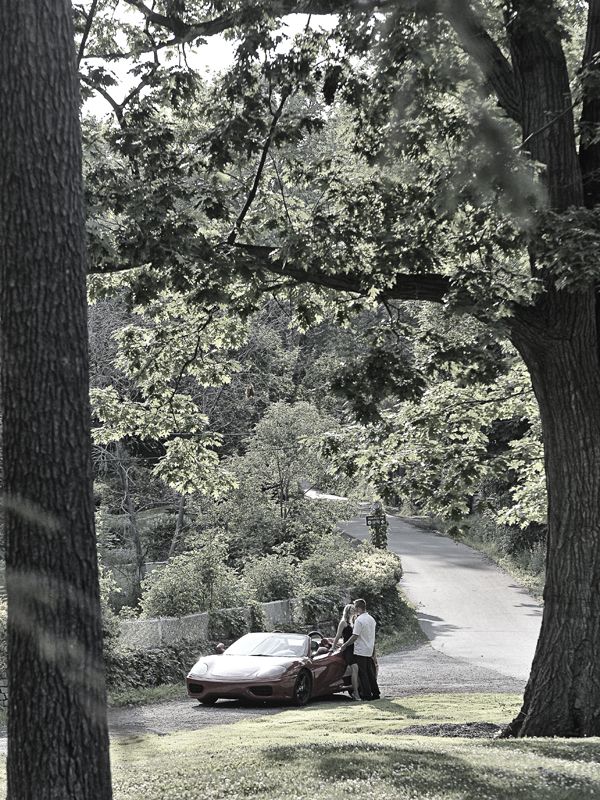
(340, 749)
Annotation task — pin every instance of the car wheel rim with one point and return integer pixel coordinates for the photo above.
(302, 689)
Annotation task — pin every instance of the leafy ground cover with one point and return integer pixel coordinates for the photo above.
(340, 749)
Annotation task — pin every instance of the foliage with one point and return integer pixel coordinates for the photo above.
(193, 582)
(519, 551)
(273, 577)
(227, 623)
(325, 565)
(319, 604)
(258, 619)
(137, 668)
(367, 571)
(110, 622)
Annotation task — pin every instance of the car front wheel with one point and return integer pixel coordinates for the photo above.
(302, 688)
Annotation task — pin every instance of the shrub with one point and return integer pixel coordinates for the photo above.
(228, 623)
(193, 582)
(271, 578)
(372, 570)
(320, 604)
(136, 668)
(369, 572)
(258, 619)
(324, 566)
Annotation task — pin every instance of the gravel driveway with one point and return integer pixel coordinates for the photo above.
(418, 670)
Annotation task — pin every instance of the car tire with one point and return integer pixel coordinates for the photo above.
(209, 701)
(302, 688)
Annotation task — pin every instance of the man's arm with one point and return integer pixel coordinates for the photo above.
(350, 641)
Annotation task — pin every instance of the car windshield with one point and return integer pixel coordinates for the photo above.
(269, 644)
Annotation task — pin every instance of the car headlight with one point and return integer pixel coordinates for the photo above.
(272, 673)
(199, 669)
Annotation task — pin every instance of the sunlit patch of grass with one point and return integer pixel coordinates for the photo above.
(344, 749)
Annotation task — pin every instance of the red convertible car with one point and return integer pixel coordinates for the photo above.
(270, 666)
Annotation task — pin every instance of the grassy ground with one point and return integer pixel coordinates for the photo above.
(341, 749)
(144, 695)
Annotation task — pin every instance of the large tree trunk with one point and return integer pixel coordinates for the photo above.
(57, 731)
(558, 344)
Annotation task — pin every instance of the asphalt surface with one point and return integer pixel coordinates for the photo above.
(468, 608)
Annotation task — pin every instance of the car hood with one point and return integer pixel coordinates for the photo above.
(233, 668)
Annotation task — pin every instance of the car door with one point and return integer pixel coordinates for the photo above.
(327, 671)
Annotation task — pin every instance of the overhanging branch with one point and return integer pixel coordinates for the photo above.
(430, 287)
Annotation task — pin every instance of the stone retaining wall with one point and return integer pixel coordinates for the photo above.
(149, 633)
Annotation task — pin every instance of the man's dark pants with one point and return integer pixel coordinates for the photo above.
(368, 677)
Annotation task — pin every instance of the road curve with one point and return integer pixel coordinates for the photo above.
(468, 608)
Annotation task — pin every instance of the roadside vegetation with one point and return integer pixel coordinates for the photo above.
(340, 749)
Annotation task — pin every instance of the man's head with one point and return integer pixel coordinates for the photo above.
(360, 606)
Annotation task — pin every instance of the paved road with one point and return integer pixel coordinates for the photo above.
(468, 608)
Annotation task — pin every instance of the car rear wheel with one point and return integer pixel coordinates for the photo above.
(302, 688)
(209, 701)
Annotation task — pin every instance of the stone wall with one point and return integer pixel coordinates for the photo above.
(149, 633)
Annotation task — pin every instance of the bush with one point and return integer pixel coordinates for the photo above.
(320, 604)
(271, 578)
(133, 668)
(324, 567)
(371, 569)
(193, 582)
(369, 572)
(228, 623)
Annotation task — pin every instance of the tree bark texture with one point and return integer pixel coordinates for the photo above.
(557, 338)
(57, 731)
(557, 343)
(546, 104)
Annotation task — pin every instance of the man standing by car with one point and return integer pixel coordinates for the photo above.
(363, 639)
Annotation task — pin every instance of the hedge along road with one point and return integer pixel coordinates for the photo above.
(468, 608)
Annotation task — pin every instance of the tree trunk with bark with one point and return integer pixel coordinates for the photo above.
(557, 342)
(57, 730)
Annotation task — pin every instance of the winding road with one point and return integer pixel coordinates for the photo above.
(469, 609)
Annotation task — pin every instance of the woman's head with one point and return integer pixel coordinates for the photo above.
(348, 613)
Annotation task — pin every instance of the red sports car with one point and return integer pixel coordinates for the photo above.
(270, 666)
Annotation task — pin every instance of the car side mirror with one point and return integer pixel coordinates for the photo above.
(220, 649)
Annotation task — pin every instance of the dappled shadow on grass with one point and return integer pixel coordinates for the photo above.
(390, 707)
(420, 771)
(585, 750)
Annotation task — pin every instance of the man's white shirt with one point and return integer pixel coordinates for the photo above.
(364, 628)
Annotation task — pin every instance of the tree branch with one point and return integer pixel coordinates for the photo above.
(485, 52)
(119, 108)
(259, 171)
(116, 107)
(431, 287)
(86, 31)
(185, 31)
